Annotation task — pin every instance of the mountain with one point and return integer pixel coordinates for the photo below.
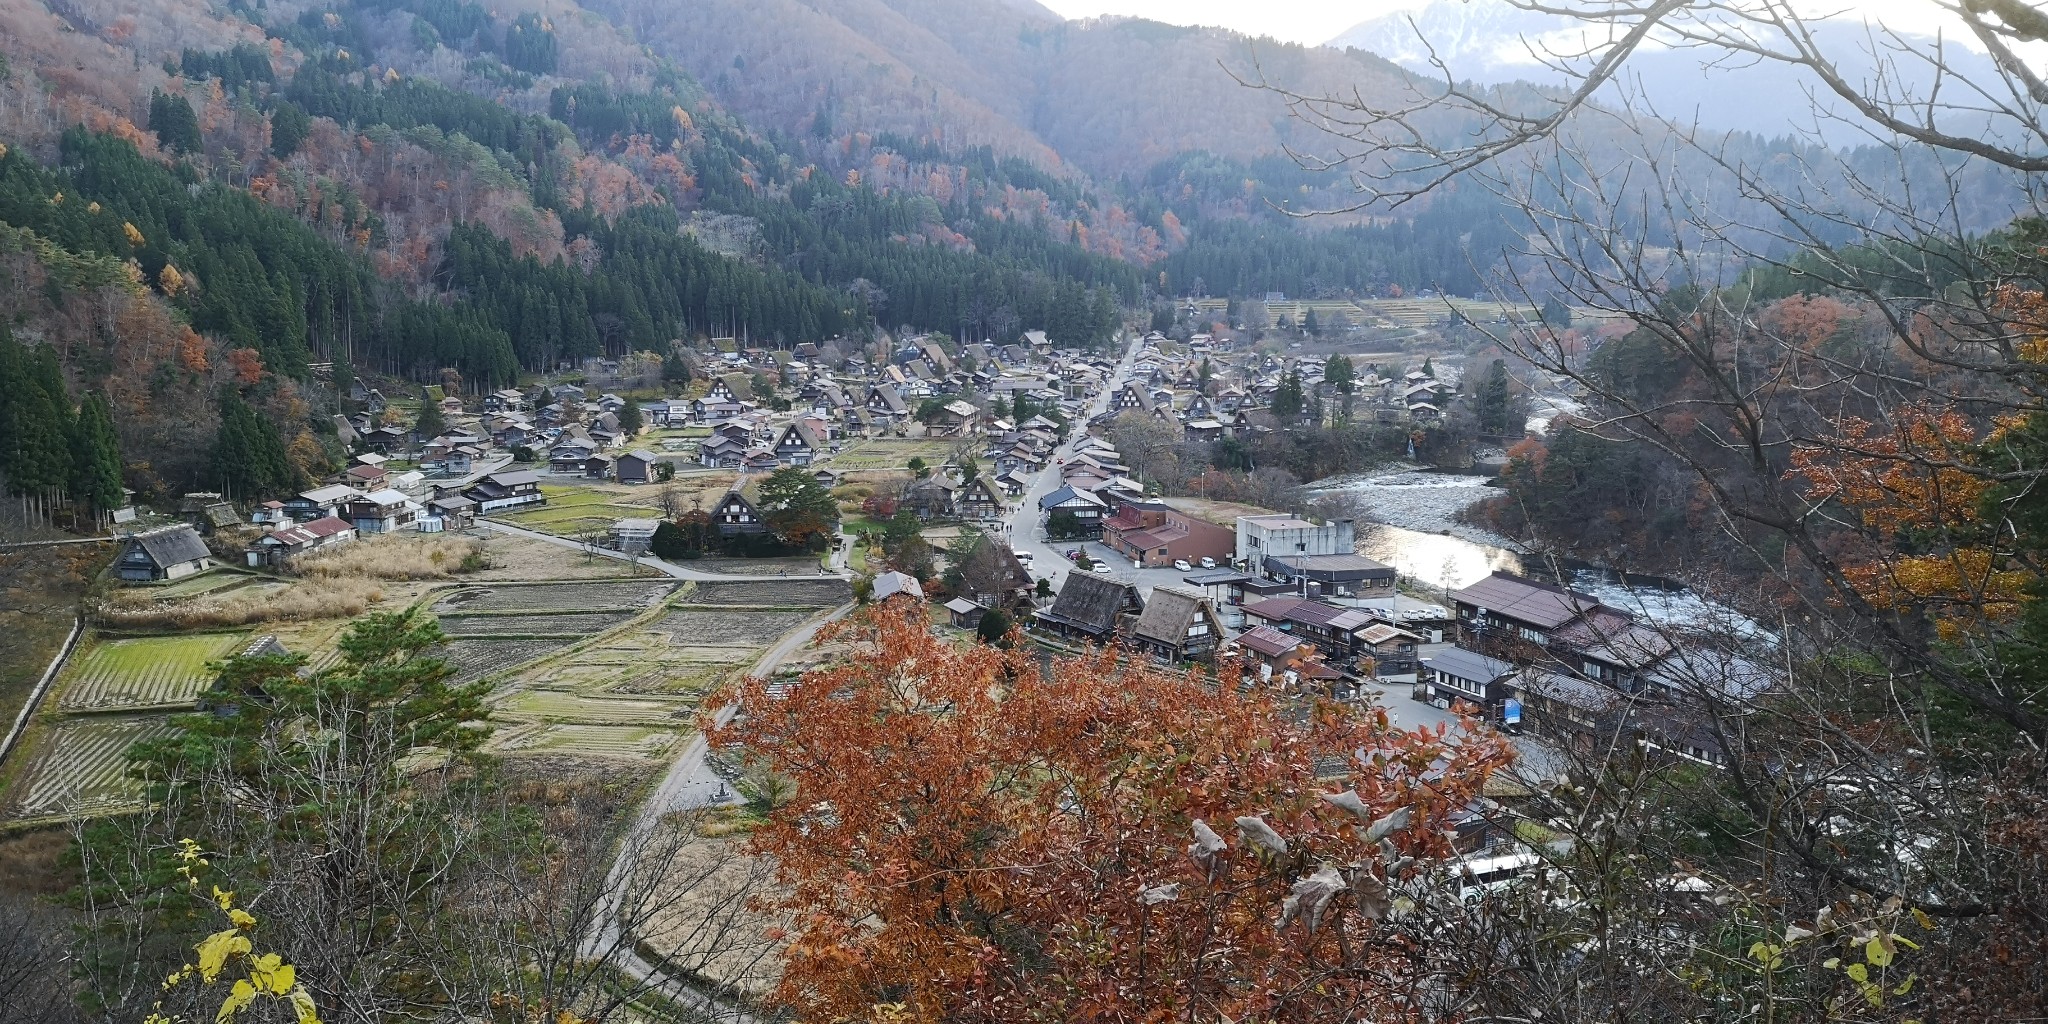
(1492, 42)
(1108, 97)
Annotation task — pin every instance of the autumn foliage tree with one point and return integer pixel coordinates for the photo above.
(979, 838)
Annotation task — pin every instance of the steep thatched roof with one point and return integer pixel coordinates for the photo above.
(171, 545)
(1092, 603)
(1169, 614)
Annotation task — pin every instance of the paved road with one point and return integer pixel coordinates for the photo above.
(1025, 524)
(689, 784)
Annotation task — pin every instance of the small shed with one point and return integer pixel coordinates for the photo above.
(964, 613)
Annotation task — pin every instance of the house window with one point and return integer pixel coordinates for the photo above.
(1593, 669)
(1531, 635)
(1199, 629)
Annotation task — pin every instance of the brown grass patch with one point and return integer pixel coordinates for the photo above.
(325, 599)
(409, 556)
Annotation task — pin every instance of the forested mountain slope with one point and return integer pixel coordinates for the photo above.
(1107, 96)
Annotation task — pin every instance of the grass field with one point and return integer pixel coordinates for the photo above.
(887, 453)
(570, 706)
(142, 672)
(83, 766)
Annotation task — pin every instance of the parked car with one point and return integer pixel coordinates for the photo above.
(1182, 565)
(1073, 554)
(1207, 562)
(1100, 567)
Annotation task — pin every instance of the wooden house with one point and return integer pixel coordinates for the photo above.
(169, 553)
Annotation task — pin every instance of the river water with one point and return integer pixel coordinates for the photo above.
(1415, 530)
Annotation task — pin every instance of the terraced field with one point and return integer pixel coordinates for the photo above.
(474, 658)
(570, 706)
(645, 662)
(82, 767)
(722, 628)
(814, 593)
(556, 597)
(575, 625)
(137, 673)
(610, 741)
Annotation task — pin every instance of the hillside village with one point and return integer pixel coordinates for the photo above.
(999, 459)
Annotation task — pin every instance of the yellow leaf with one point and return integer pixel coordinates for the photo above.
(271, 974)
(215, 950)
(1920, 917)
(225, 899)
(242, 918)
(1858, 973)
(302, 1004)
(237, 1001)
(1878, 952)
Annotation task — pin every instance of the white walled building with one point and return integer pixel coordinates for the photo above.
(1261, 537)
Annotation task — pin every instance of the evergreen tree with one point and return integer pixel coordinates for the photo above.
(994, 628)
(1343, 377)
(35, 421)
(96, 457)
(289, 127)
(530, 45)
(430, 424)
(1491, 400)
(172, 119)
(1288, 400)
(1428, 367)
(248, 456)
(1556, 313)
(674, 368)
(630, 419)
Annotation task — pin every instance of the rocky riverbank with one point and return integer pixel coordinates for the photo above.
(1417, 499)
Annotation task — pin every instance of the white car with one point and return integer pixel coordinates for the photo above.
(1207, 562)
(1024, 557)
(1182, 565)
(1100, 566)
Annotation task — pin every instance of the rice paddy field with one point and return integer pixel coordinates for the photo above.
(593, 670)
(134, 673)
(556, 597)
(563, 625)
(81, 766)
(812, 593)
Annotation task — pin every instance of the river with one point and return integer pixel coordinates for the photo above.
(1414, 529)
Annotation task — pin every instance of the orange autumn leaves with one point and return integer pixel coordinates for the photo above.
(973, 834)
(1918, 491)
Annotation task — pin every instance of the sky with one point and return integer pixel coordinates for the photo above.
(1316, 21)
